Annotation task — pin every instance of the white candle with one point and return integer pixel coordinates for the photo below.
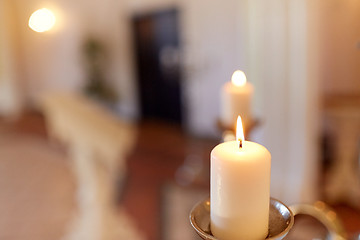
(240, 190)
(236, 100)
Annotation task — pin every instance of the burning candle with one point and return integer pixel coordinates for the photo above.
(236, 100)
(240, 189)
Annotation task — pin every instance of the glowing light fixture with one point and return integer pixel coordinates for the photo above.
(42, 20)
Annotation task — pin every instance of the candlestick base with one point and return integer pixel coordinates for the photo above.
(281, 219)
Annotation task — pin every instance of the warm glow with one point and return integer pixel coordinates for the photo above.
(238, 78)
(239, 130)
(42, 20)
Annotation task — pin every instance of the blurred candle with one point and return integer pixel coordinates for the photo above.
(240, 189)
(236, 100)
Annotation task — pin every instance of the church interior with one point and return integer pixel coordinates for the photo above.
(110, 110)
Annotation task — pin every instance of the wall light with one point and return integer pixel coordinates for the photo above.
(42, 20)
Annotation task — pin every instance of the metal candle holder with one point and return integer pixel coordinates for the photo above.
(281, 219)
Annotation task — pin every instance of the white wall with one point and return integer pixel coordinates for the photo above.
(212, 52)
(10, 101)
(282, 63)
(50, 60)
(54, 60)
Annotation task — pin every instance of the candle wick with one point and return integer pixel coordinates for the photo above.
(240, 143)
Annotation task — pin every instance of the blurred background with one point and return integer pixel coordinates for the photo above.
(109, 110)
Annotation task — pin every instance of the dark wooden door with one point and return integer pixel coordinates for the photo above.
(158, 65)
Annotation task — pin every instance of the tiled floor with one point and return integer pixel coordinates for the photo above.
(37, 189)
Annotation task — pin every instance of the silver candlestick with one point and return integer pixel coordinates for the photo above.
(281, 219)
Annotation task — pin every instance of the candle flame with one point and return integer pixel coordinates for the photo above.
(238, 78)
(239, 131)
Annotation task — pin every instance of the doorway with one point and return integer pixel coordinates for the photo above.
(157, 55)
